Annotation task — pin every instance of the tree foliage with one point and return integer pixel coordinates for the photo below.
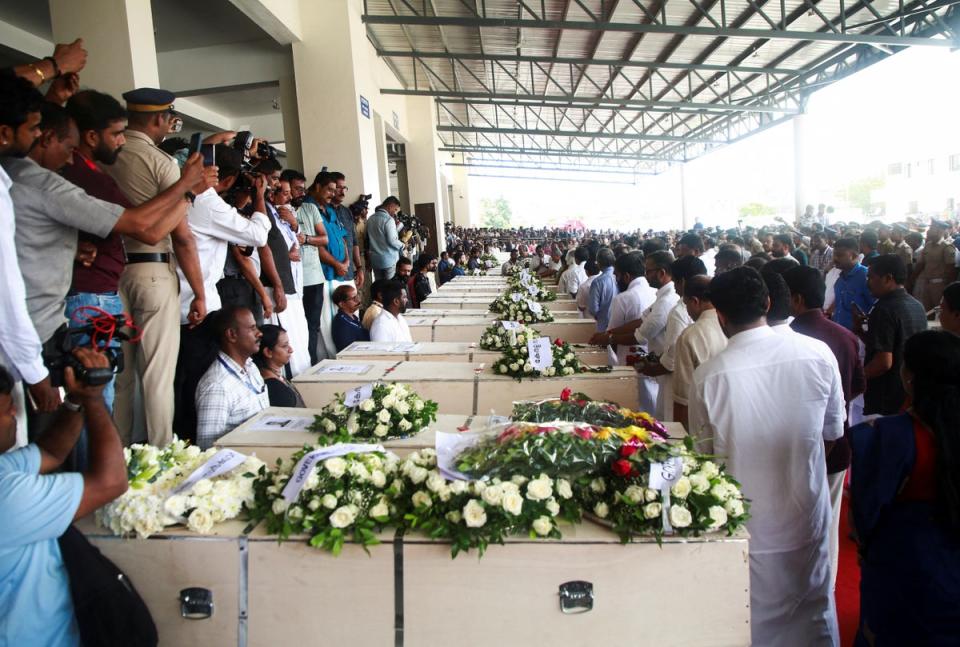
(496, 213)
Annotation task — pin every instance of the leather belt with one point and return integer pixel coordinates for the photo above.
(148, 257)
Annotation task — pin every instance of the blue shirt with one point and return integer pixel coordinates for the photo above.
(602, 291)
(385, 246)
(335, 243)
(35, 603)
(349, 227)
(850, 288)
(346, 330)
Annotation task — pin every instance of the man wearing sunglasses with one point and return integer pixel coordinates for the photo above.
(149, 285)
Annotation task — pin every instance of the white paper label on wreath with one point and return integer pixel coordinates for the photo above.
(304, 467)
(352, 369)
(220, 463)
(666, 474)
(535, 307)
(282, 423)
(355, 396)
(516, 297)
(449, 445)
(510, 325)
(540, 353)
(533, 290)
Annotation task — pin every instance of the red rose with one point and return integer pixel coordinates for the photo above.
(565, 394)
(628, 450)
(622, 467)
(558, 342)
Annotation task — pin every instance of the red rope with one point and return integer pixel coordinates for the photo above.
(104, 325)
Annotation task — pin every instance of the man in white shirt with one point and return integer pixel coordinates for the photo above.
(696, 344)
(575, 274)
(551, 265)
(231, 391)
(583, 292)
(634, 298)
(390, 326)
(513, 262)
(214, 224)
(765, 405)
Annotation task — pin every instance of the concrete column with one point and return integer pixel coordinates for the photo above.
(686, 217)
(291, 123)
(461, 197)
(118, 34)
(423, 159)
(799, 166)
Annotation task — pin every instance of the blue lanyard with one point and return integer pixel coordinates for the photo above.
(246, 383)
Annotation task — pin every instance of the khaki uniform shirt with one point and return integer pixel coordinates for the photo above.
(886, 247)
(905, 253)
(143, 171)
(938, 257)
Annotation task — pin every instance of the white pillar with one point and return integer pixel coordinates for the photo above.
(291, 123)
(799, 166)
(118, 34)
(461, 196)
(686, 217)
(423, 159)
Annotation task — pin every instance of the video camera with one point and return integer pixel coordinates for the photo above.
(60, 355)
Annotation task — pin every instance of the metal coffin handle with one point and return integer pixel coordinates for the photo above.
(576, 597)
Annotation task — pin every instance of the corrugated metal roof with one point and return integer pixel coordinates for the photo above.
(632, 82)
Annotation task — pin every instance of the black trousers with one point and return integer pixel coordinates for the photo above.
(313, 308)
(198, 350)
(236, 291)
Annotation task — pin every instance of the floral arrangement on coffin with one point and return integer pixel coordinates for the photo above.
(561, 449)
(581, 407)
(496, 337)
(532, 287)
(515, 270)
(348, 497)
(151, 502)
(514, 306)
(477, 272)
(515, 361)
(474, 514)
(392, 410)
(703, 499)
(489, 260)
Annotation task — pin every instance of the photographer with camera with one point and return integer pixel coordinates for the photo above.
(37, 506)
(385, 245)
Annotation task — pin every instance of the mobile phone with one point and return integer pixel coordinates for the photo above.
(209, 152)
(195, 141)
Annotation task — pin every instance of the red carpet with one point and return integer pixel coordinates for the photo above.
(848, 582)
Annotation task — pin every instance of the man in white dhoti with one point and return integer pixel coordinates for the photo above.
(765, 405)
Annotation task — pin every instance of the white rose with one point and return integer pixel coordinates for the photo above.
(436, 482)
(418, 405)
(417, 474)
(518, 479)
(404, 424)
(564, 489)
(200, 520)
(201, 487)
(709, 469)
(380, 511)
(453, 516)
(329, 501)
(352, 425)
(458, 487)
(312, 481)
(540, 489)
(718, 516)
(601, 510)
(568, 371)
(335, 466)
(652, 510)
(279, 506)
(504, 368)
(367, 405)
(527, 367)
(598, 485)
(403, 408)
(343, 516)
(553, 507)
(569, 357)
(514, 366)
(689, 464)
(175, 506)
(378, 478)
(699, 483)
(734, 507)
(474, 515)
(314, 504)
(380, 431)
(649, 494)
(389, 401)
(421, 499)
(383, 416)
(328, 425)
(492, 495)
(681, 488)
(295, 513)
(634, 494)
(542, 526)
(509, 487)
(720, 491)
(680, 517)
(512, 502)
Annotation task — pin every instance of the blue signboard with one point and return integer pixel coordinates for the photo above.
(364, 107)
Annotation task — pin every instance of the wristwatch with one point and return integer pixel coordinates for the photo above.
(69, 405)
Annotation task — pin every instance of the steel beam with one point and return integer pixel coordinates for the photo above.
(592, 102)
(536, 152)
(658, 28)
(575, 134)
(530, 167)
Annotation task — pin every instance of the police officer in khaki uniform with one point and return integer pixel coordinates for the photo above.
(149, 286)
(900, 246)
(937, 266)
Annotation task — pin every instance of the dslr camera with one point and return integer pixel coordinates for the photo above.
(244, 140)
(59, 354)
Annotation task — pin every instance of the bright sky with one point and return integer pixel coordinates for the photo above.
(903, 108)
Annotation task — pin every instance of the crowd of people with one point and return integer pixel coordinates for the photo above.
(231, 275)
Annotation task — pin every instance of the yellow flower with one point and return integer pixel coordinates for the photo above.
(631, 432)
(604, 433)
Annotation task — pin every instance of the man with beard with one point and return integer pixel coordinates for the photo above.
(390, 326)
(298, 186)
(783, 248)
(231, 391)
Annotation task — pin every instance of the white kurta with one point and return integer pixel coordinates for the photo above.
(652, 335)
(294, 318)
(765, 405)
(629, 306)
(387, 328)
(583, 295)
(678, 321)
